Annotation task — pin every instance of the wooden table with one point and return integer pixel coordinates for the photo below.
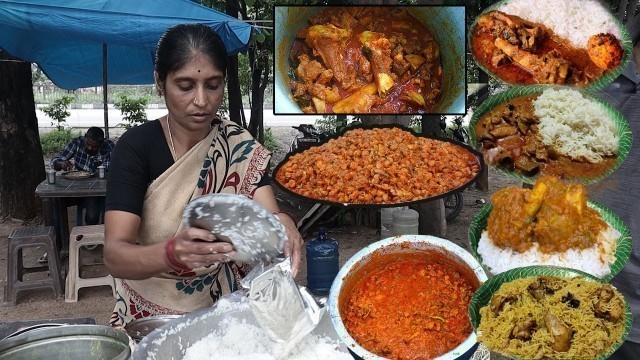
(59, 194)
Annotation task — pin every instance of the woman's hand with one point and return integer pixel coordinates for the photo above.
(195, 248)
(293, 245)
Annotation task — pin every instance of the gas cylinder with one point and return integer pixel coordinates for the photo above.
(405, 222)
(322, 263)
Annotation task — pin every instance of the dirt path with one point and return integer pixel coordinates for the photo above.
(98, 302)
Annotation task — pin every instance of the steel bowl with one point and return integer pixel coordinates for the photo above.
(391, 250)
(447, 24)
(67, 342)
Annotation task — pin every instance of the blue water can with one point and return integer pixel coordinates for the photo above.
(322, 263)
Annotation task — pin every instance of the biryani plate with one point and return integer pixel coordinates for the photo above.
(555, 42)
(549, 312)
(530, 131)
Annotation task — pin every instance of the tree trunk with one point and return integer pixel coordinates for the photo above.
(21, 163)
(236, 113)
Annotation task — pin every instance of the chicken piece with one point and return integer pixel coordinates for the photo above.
(381, 64)
(561, 332)
(431, 51)
(358, 102)
(500, 60)
(364, 68)
(546, 69)
(526, 165)
(524, 330)
(325, 76)
(498, 301)
(605, 51)
(502, 131)
(512, 29)
(399, 65)
(308, 70)
(545, 285)
(609, 306)
(325, 40)
(508, 225)
(322, 92)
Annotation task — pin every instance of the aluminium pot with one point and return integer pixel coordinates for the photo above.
(445, 23)
(67, 342)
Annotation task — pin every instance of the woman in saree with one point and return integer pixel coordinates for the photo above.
(161, 267)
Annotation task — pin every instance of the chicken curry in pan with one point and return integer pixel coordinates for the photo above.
(523, 52)
(365, 60)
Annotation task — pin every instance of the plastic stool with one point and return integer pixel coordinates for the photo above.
(29, 237)
(84, 236)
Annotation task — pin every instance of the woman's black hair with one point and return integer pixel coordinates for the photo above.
(181, 42)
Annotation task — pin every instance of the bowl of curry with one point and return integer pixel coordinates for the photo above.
(406, 297)
(369, 60)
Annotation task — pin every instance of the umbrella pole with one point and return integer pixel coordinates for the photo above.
(104, 90)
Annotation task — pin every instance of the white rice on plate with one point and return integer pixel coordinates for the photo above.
(575, 126)
(241, 340)
(574, 20)
(595, 260)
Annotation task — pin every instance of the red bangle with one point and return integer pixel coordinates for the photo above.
(286, 213)
(170, 257)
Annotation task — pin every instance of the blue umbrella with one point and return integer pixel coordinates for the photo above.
(83, 43)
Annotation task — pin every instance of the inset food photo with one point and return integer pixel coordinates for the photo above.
(566, 42)
(369, 60)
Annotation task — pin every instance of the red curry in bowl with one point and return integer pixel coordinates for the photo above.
(410, 307)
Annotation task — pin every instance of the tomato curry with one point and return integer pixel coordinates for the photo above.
(365, 60)
(409, 309)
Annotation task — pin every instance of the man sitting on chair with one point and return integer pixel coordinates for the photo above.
(88, 152)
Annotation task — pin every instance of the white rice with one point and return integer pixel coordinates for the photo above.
(575, 126)
(595, 260)
(241, 340)
(573, 20)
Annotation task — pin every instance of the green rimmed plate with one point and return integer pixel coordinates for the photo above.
(483, 295)
(625, 137)
(623, 243)
(625, 41)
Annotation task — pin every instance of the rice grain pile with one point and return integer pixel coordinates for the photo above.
(238, 339)
(573, 20)
(575, 126)
(595, 260)
(572, 302)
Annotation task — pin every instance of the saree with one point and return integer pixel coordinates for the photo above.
(228, 160)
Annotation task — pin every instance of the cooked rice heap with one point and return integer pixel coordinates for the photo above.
(573, 20)
(558, 318)
(575, 126)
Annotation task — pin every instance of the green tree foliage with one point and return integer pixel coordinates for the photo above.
(133, 110)
(58, 111)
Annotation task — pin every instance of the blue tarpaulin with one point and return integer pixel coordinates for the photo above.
(65, 37)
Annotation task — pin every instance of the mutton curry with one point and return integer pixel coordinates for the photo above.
(365, 60)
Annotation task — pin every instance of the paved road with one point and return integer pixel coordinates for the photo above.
(84, 118)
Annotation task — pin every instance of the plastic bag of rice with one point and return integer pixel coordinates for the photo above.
(575, 126)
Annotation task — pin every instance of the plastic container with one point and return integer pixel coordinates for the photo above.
(322, 263)
(386, 222)
(405, 222)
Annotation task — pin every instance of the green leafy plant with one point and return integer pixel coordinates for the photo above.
(133, 110)
(58, 111)
(270, 141)
(56, 140)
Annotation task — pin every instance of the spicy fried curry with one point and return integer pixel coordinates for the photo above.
(509, 137)
(524, 52)
(365, 60)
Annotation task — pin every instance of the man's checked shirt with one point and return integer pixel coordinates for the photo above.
(83, 161)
